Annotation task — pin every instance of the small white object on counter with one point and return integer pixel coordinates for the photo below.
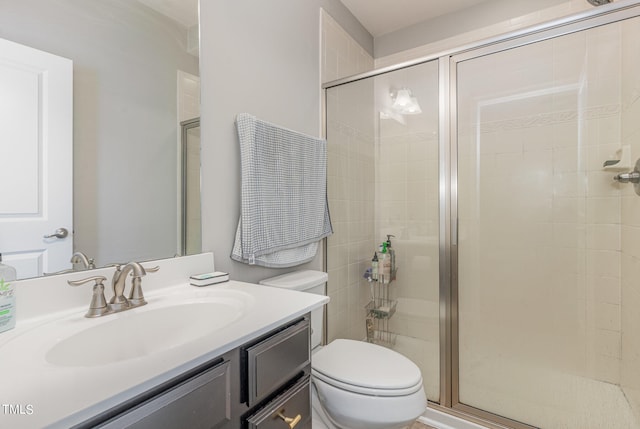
(208, 279)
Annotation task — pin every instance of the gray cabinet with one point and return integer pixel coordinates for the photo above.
(261, 385)
(201, 402)
(276, 374)
(290, 409)
(275, 360)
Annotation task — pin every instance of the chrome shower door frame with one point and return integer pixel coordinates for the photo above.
(448, 183)
(581, 22)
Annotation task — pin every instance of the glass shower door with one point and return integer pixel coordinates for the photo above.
(540, 254)
(382, 140)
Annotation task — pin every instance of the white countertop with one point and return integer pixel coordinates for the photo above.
(60, 396)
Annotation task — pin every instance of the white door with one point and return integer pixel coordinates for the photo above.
(36, 170)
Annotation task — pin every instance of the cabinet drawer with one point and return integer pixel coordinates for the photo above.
(276, 360)
(294, 405)
(203, 401)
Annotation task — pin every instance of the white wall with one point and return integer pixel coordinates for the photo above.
(262, 58)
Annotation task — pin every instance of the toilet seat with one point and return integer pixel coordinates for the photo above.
(366, 368)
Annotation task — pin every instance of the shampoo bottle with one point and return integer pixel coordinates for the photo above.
(392, 255)
(7, 298)
(384, 265)
(374, 266)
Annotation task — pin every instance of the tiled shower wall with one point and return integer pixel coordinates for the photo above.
(342, 56)
(350, 177)
(407, 197)
(630, 320)
(407, 207)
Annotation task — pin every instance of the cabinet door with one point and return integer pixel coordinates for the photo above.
(276, 360)
(291, 409)
(203, 401)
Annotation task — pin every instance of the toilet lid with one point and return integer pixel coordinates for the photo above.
(366, 368)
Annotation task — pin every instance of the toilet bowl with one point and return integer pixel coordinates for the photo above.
(365, 386)
(355, 384)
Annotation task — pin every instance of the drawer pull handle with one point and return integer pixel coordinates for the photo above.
(292, 422)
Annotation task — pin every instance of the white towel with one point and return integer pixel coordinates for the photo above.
(284, 211)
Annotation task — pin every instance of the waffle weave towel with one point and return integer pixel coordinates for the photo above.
(284, 211)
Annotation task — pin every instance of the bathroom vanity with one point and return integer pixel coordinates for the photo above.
(262, 384)
(233, 355)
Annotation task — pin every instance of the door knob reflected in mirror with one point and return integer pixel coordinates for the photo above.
(59, 233)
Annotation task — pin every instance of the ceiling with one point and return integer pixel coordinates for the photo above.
(377, 16)
(384, 16)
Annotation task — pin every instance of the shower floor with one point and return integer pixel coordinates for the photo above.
(544, 397)
(541, 397)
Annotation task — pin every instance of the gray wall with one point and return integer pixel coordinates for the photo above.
(473, 18)
(262, 58)
(125, 62)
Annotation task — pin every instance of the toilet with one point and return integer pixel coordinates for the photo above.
(355, 384)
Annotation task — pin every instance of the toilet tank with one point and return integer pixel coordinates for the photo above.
(309, 281)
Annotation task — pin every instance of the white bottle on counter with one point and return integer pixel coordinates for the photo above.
(7, 297)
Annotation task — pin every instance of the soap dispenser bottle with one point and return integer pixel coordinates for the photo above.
(374, 267)
(7, 298)
(392, 255)
(384, 265)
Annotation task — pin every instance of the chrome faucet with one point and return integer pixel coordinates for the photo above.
(118, 303)
(81, 258)
(76, 258)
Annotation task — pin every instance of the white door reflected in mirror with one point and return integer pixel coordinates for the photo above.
(36, 153)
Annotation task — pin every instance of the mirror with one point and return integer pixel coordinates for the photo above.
(191, 213)
(135, 79)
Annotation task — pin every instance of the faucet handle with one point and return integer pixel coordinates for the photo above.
(136, 296)
(118, 265)
(98, 306)
(97, 279)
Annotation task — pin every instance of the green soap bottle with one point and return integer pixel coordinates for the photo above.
(384, 265)
(7, 298)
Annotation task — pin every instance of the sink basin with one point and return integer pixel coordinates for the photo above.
(144, 331)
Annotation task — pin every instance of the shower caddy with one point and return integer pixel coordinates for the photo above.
(380, 309)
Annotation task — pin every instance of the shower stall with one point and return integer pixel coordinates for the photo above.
(518, 282)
